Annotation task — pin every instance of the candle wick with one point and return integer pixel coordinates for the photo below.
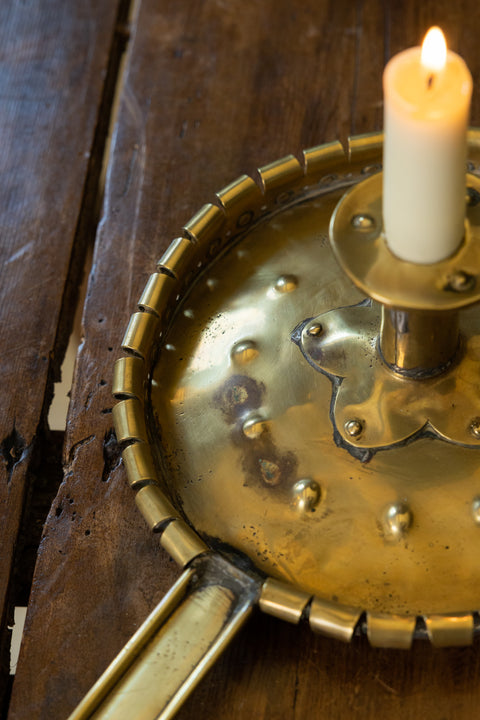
(430, 81)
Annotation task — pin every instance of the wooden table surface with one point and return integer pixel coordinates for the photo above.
(194, 93)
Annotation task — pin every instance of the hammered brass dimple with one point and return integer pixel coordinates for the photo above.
(236, 489)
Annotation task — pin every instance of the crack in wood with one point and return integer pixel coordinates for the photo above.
(112, 455)
(13, 449)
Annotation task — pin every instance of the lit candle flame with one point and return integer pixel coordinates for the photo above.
(434, 50)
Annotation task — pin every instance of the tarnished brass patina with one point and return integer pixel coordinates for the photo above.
(239, 426)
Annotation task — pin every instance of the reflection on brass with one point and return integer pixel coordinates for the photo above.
(476, 510)
(286, 283)
(138, 462)
(140, 333)
(155, 507)
(182, 543)
(157, 293)
(321, 161)
(244, 352)
(149, 680)
(242, 200)
(206, 223)
(306, 496)
(178, 258)
(282, 601)
(418, 344)
(393, 631)
(332, 619)
(281, 175)
(367, 150)
(449, 630)
(397, 520)
(128, 377)
(129, 419)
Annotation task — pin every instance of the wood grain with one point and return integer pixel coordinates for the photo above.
(53, 62)
(210, 90)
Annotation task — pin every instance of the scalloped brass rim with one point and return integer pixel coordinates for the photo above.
(209, 231)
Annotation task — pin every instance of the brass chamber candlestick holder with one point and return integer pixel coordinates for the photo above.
(300, 421)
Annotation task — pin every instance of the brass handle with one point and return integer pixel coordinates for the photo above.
(176, 645)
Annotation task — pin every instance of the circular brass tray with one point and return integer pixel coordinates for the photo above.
(227, 429)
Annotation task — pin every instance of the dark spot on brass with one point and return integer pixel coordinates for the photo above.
(238, 396)
(262, 461)
(270, 471)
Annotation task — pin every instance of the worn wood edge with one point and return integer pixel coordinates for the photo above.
(83, 235)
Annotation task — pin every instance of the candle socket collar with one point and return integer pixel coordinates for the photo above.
(404, 362)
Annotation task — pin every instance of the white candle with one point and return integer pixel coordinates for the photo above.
(426, 106)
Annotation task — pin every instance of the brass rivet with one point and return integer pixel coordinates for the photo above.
(475, 427)
(245, 218)
(363, 222)
(476, 509)
(315, 330)
(398, 518)
(244, 352)
(354, 428)
(460, 282)
(284, 197)
(306, 495)
(253, 427)
(286, 283)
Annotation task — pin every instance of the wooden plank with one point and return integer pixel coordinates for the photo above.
(53, 62)
(213, 90)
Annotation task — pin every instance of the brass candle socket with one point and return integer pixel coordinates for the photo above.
(418, 344)
(419, 332)
(404, 362)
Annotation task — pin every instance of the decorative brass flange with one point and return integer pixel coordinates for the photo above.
(406, 364)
